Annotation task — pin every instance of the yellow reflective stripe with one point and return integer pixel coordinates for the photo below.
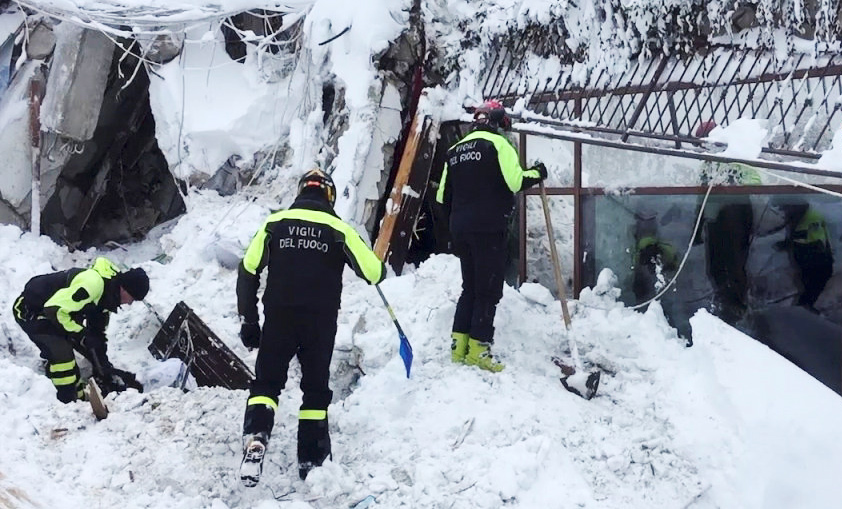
(506, 157)
(254, 253)
(370, 266)
(18, 311)
(93, 284)
(65, 380)
(62, 366)
(645, 242)
(262, 400)
(440, 191)
(312, 415)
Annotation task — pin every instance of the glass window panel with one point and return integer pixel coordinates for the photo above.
(746, 257)
(557, 155)
(615, 168)
(539, 267)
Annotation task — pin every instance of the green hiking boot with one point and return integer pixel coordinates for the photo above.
(479, 355)
(459, 347)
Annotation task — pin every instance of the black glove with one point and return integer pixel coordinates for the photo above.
(542, 170)
(93, 348)
(250, 335)
(120, 380)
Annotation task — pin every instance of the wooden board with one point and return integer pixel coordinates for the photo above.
(407, 194)
(185, 336)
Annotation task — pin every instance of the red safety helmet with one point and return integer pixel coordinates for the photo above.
(321, 180)
(493, 114)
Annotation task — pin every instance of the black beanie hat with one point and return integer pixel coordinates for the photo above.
(135, 282)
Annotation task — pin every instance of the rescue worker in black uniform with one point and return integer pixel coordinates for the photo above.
(481, 174)
(69, 310)
(305, 249)
(808, 242)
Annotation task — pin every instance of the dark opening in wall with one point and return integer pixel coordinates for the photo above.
(116, 186)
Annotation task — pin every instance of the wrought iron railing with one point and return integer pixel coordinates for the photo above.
(668, 97)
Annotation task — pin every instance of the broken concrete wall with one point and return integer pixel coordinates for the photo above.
(16, 181)
(78, 76)
(116, 185)
(102, 174)
(394, 96)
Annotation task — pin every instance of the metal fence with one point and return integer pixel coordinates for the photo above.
(668, 98)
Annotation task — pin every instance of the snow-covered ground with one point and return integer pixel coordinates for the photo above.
(726, 423)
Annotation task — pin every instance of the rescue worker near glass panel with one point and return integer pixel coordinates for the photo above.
(305, 249)
(481, 174)
(654, 264)
(808, 241)
(728, 225)
(69, 310)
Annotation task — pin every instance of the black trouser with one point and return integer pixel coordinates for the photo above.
(309, 334)
(815, 263)
(483, 260)
(56, 348)
(727, 248)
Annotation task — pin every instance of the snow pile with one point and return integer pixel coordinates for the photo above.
(745, 138)
(726, 423)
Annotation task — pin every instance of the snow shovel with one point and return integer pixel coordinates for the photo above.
(405, 347)
(574, 380)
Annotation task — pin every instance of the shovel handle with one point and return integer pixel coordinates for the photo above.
(562, 293)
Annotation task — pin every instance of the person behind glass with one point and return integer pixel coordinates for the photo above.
(481, 174)
(305, 249)
(654, 260)
(808, 242)
(728, 224)
(69, 310)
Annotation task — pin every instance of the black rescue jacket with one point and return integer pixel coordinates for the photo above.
(305, 248)
(76, 301)
(481, 174)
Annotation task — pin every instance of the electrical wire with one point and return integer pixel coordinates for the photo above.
(686, 254)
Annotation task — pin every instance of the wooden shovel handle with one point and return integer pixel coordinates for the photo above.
(562, 293)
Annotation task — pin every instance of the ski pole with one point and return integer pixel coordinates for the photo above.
(405, 348)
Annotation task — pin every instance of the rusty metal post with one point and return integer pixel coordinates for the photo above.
(36, 94)
(577, 212)
(521, 217)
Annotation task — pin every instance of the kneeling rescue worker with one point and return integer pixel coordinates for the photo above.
(69, 310)
(305, 249)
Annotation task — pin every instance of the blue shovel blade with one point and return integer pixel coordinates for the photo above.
(406, 354)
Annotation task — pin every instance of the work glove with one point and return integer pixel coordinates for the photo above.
(542, 170)
(250, 335)
(93, 347)
(120, 380)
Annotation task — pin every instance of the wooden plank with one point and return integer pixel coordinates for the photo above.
(384, 236)
(407, 194)
(185, 336)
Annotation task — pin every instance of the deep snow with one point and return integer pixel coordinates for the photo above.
(726, 423)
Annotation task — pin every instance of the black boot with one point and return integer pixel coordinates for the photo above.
(313, 445)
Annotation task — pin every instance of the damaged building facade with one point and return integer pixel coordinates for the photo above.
(78, 101)
(82, 114)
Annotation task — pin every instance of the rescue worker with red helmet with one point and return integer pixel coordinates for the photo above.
(69, 310)
(481, 174)
(305, 249)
